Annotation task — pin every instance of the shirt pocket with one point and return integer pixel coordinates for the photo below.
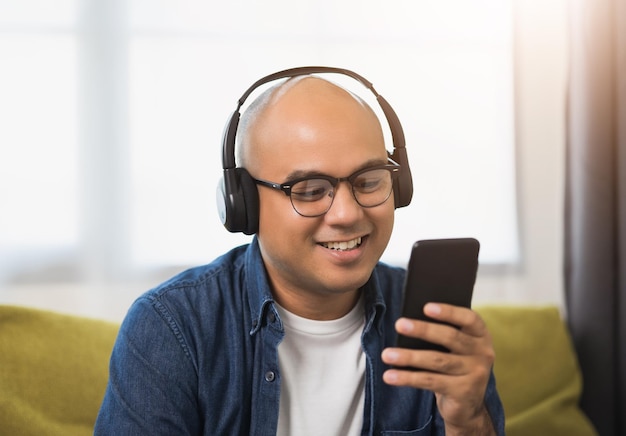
(424, 430)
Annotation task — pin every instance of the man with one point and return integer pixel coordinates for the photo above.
(294, 333)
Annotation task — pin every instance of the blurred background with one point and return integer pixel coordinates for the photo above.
(112, 114)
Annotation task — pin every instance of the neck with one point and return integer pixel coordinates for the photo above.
(320, 307)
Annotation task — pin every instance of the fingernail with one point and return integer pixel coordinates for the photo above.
(404, 325)
(390, 376)
(432, 309)
(391, 356)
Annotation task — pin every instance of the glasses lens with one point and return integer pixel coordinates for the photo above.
(372, 187)
(312, 197)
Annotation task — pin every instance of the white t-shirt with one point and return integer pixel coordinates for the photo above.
(322, 368)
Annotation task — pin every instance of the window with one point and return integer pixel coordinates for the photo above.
(111, 156)
(38, 144)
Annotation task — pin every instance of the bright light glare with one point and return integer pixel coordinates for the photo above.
(38, 156)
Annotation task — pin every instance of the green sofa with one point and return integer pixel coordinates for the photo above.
(53, 371)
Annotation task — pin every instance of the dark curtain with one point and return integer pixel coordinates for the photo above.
(595, 207)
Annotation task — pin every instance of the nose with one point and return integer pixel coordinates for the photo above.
(345, 209)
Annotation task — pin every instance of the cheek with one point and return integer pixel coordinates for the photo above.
(384, 219)
(284, 236)
(278, 221)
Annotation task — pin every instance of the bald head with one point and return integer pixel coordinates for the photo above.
(289, 104)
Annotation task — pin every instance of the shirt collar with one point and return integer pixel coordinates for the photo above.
(257, 284)
(260, 296)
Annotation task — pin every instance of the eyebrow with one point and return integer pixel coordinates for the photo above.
(298, 174)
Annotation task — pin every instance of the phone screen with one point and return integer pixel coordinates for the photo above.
(441, 271)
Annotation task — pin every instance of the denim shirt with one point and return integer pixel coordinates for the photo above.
(198, 355)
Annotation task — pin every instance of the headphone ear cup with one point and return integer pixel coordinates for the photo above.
(403, 184)
(238, 201)
(251, 200)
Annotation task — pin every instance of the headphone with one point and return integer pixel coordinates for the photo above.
(237, 195)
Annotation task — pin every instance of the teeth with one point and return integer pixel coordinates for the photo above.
(347, 245)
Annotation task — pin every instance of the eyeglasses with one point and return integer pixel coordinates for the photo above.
(313, 196)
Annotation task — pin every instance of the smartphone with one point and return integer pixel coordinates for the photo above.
(441, 271)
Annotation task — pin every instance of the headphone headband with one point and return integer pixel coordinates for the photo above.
(304, 71)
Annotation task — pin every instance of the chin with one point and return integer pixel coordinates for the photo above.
(349, 281)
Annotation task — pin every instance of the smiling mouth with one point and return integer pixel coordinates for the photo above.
(343, 246)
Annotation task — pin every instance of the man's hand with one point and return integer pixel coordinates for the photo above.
(458, 378)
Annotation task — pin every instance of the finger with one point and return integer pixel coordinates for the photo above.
(426, 360)
(449, 337)
(466, 319)
(428, 380)
(464, 380)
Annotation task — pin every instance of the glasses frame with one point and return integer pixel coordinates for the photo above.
(392, 167)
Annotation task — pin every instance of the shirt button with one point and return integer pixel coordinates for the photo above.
(271, 317)
(270, 376)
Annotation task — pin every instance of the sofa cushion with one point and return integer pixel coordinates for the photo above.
(536, 371)
(53, 371)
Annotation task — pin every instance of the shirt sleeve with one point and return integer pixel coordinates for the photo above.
(152, 378)
(494, 406)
